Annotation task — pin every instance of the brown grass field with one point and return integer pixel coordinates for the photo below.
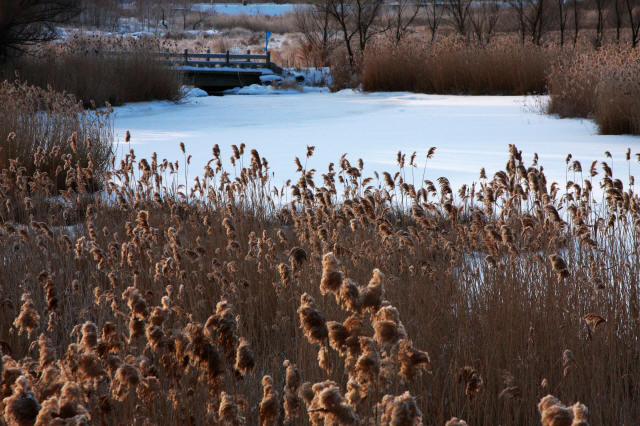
(337, 299)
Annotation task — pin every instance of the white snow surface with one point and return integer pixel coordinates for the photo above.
(271, 9)
(470, 132)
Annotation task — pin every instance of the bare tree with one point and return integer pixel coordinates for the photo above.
(536, 20)
(601, 6)
(562, 18)
(356, 17)
(576, 21)
(28, 22)
(316, 24)
(433, 12)
(617, 10)
(519, 8)
(404, 13)
(459, 11)
(484, 18)
(633, 13)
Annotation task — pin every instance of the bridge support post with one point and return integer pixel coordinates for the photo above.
(186, 56)
(227, 59)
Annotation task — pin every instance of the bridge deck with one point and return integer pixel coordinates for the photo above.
(216, 72)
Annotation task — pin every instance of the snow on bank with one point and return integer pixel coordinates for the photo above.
(469, 132)
(258, 89)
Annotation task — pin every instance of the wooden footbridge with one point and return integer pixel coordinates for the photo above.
(216, 72)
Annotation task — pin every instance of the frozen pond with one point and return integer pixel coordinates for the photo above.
(469, 132)
(271, 9)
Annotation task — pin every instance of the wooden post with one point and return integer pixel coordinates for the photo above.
(268, 59)
(208, 53)
(186, 56)
(227, 57)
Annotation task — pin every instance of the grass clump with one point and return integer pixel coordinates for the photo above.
(603, 85)
(98, 71)
(49, 142)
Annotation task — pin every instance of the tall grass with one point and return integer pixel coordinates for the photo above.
(95, 72)
(503, 67)
(603, 85)
(337, 299)
(49, 133)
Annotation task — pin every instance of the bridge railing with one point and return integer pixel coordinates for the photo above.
(216, 60)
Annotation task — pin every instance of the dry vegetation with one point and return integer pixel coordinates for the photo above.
(35, 127)
(453, 66)
(604, 85)
(88, 68)
(336, 299)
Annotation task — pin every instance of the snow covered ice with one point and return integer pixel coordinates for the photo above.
(470, 132)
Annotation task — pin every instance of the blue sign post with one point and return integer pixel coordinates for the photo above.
(266, 45)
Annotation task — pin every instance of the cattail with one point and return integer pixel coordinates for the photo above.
(323, 359)
(228, 413)
(554, 413)
(285, 274)
(594, 321)
(401, 410)
(559, 266)
(371, 296)
(292, 401)
(28, 318)
(329, 405)
(47, 353)
(49, 412)
(136, 303)
(21, 408)
(354, 393)
(297, 256)
(182, 148)
(312, 321)
(203, 352)
(580, 415)
(127, 377)
(127, 137)
(367, 367)
(52, 300)
(568, 361)
(90, 366)
(349, 296)
(269, 408)
(136, 328)
(89, 335)
(245, 361)
(338, 335)
(472, 380)
(222, 328)
(454, 421)
(305, 393)
(411, 359)
(331, 276)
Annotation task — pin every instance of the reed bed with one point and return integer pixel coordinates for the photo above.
(454, 66)
(603, 85)
(93, 69)
(48, 138)
(338, 298)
